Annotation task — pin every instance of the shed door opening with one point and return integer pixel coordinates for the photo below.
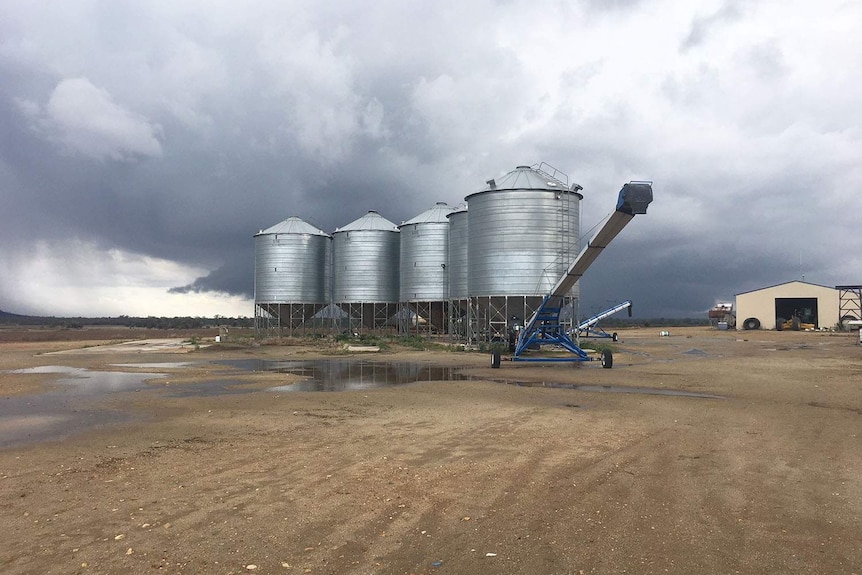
(805, 308)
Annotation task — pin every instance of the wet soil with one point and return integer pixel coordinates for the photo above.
(473, 476)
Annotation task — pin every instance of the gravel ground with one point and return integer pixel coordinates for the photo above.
(509, 472)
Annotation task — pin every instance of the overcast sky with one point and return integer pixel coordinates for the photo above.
(143, 144)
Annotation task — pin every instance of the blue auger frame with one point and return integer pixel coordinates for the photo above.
(545, 328)
(590, 327)
(596, 331)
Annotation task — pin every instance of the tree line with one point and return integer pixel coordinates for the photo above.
(151, 322)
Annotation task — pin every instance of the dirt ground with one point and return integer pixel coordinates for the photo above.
(502, 474)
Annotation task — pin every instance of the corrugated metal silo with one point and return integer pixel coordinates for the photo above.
(424, 256)
(292, 263)
(458, 261)
(459, 306)
(365, 261)
(523, 233)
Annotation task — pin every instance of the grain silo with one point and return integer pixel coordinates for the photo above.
(365, 270)
(458, 271)
(292, 261)
(424, 276)
(523, 232)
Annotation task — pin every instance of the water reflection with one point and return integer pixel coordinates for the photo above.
(80, 381)
(68, 408)
(343, 375)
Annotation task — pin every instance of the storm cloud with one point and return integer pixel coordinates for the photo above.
(142, 145)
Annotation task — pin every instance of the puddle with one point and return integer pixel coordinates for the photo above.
(22, 422)
(694, 351)
(68, 408)
(342, 375)
(73, 405)
(82, 382)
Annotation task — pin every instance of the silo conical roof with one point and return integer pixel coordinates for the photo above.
(371, 221)
(293, 225)
(435, 215)
(526, 178)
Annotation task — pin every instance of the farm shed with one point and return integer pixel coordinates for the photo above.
(810, 303)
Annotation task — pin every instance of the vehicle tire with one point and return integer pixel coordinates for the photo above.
(615, 337)
(495, 359)
(607, 359)
(797, 323)
(779, 323)
(751, 323)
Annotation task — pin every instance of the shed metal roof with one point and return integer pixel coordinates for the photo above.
(784, 284)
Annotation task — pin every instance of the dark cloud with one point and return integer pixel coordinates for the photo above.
(237, 277)
(667, 277)
(168, 132)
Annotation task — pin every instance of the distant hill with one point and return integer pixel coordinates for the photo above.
(11, 316)
(7, 318)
